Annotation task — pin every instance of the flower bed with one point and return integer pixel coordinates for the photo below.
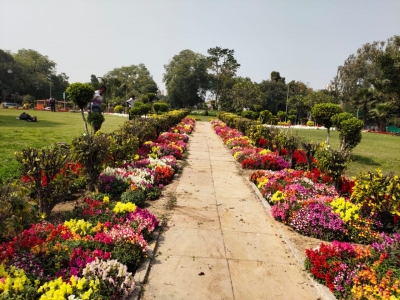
(309, 204)
(245, 152)
(94, 254)
(364, 211)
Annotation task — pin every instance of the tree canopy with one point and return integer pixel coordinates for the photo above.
(186, 79)
(223, 67)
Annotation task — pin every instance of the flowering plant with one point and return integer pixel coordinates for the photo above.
(114, 280)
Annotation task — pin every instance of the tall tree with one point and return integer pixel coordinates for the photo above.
(126, 81)
(186, 79)
(275, 94)
(388, 62)
(363, 99)
(37, 72)
(359, 70)
(245, 93)
(223, 66)
(381, 113)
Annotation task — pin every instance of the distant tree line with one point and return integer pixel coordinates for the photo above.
(367, 86)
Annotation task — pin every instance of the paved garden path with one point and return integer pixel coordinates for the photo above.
(221, 243)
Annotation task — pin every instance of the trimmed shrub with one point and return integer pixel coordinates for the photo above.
(137, 197)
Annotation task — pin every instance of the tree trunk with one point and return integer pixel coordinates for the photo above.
(84, 121)
(329, 135)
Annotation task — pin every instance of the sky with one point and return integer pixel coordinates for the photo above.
(304, 40)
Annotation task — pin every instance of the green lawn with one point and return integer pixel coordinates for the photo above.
(51, 127)
(375, 150)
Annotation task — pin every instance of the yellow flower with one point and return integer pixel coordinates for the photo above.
(121, 207)
(106, 199)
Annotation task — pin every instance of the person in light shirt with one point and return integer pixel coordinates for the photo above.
(129, 102)
(98, 99)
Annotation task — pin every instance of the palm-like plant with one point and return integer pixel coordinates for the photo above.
(381, 113)
(363, 99)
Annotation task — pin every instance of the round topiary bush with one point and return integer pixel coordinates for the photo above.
(137, 197)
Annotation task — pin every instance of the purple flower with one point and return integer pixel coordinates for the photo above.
(318, 220)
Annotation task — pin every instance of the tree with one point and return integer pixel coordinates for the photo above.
(363, 98)
(318, 97)
(276, 77)
(223, 66)
(349, 129)
(37, 72)
(374, 63)
(245, 93)
(126, 81)
(265, 116)
(381, 113)
(186, 79)
(323, 114)
(81, 94)
(275, 94)
(388, 62)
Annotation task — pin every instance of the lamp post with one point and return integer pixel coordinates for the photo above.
(287, 99)
(9, 71)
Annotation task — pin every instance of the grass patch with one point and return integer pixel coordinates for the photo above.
(51, 127)
(202, 118)
(171, 201)
(376, 151)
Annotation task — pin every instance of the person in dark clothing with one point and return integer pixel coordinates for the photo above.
(26, 117)
(53, 104)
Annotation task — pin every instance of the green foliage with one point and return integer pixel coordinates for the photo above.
(160, 107)
(275, 94)
(223, 66)
(257, 108)
(257, 131)
(139, 109)
(16, 212)
(119, 109)
(323, 114)
(250, 114)
(332, 162)
(379, 193)
(246, 94)
(349, 129)
(276, 76)
(153, 193)
(310, 148)
(129, 80)
(122, 147)
(138, 197)
(42, 170)
(265, 116)
(285, 140)
(186, 79)
(363, 99)
(281, 115)
(92, 152)
(95, 119)
(80, 93)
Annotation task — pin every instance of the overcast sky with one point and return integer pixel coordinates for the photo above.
(304, 40)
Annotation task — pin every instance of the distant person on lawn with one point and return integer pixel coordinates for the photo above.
(98, 99)
(26, 117)
(53, 104)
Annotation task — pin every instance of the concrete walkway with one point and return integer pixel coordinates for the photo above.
(221, 243)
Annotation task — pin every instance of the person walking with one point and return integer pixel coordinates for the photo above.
(98, 99)
(53, 104)
(129, 103)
